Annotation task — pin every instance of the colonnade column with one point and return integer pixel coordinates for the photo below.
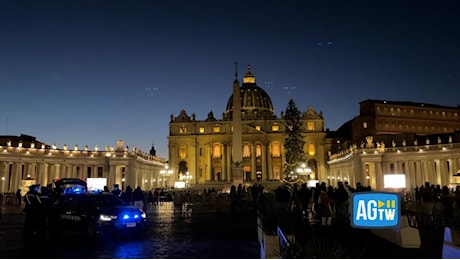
(444, 172)
(17, 175)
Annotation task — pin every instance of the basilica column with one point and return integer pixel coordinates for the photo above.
(269, 174)
(264, 161)
(253, 162)
(209, 171)
(223, 174)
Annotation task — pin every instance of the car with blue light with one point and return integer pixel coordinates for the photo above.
(95, 213)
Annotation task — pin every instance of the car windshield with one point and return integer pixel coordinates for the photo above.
(106, 200)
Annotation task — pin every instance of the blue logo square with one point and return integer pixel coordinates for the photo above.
(375, 210)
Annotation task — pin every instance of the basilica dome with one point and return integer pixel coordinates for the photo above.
(255, 102)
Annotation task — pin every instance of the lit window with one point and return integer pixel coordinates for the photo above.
(364, 124)
(310, 126)
(183, 129)
(258, 150)
(276, 150)
(258, 127)
(201, 129)
(183, 151)
(311, 149)
(217, 152)
(275, 128)
(246, 151)
(216, 129)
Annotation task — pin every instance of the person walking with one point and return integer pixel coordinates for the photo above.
(138, 198)
(33, 212)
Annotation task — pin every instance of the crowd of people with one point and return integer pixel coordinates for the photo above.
(323, 202)
(436, 200)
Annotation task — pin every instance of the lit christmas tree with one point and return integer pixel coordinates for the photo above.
(294, 142)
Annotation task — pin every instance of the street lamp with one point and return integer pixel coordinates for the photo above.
(166, 172)
(304, 170)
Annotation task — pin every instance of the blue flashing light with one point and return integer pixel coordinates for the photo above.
(136, 216)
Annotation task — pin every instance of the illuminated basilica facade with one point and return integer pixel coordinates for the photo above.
(421, 141)
(203, 148)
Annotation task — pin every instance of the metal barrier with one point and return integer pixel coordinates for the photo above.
(284, 243)
(418, 217)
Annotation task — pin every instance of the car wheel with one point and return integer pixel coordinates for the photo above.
(91, 230)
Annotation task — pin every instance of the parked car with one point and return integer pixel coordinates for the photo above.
(95, 214)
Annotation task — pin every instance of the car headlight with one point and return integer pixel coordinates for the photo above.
(104, 217)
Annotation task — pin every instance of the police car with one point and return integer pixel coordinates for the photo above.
(94, 213)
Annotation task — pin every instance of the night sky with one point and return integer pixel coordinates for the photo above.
(93, 72)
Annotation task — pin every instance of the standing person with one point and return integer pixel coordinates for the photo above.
(325, 211)
(304, 195)
(33, 210)
(233, 198)
(116, 190)
(138, 198)
(127, 195)
(18, 197)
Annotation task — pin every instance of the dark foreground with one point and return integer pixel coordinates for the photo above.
(196, 232)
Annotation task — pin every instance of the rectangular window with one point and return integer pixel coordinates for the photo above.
(311, 149)
(258, 127)
(201, 129)
(275, 128)
(258, 150)
(183, 129)
(216, 129)
(276, 150)
(310, 126)
(364, 125)
(217, 152)
(183, 151)
(246, 151)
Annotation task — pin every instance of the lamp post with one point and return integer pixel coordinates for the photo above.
(166, 173)
(303, 171)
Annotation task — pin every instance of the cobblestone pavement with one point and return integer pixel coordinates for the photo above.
(173, 233)
(192, 233)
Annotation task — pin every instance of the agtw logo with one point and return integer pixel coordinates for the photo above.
(375, 210)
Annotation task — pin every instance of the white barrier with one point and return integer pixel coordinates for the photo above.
(404, 236)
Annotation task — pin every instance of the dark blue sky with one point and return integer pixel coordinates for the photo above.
(93, 72)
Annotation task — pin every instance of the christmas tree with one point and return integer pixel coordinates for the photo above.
(294, 142)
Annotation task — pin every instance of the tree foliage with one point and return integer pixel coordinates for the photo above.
(293, 142)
